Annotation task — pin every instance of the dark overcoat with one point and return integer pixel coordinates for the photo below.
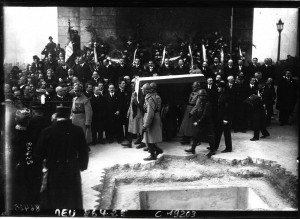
(64, 147)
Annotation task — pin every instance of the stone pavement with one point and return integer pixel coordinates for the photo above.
(281, 146)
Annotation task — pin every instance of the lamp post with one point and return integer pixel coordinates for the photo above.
(279, 28)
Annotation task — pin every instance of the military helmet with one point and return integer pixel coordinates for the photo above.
(147, 87)
(153, 85)
(202, 92)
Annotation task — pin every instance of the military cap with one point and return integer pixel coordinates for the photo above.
(50, 37)
(36, 57)
(126, 77)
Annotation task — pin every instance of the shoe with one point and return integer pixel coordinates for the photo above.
(138, 141)
(160, 151)
(140, 146)
(146, 149)
(127, 146)
(210, 154)
(254, 139)
(126, 143)
(225, 151)
(150, 158)
(264, 136)
(191, 150)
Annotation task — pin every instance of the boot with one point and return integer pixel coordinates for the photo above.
(191, 150)
(158, 150)
(139, 140)
(126, 143)
(142, 145)
(146, 149)
(152, 153)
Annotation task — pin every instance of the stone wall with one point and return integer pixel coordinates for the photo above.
(116, 25)
(103, 20)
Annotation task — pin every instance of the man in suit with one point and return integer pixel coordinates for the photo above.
(242, 68)
(240, 118)
(216, 67)
(125, 102)
(99, 116)
(122, 69)
(286, 97)
(95, 79)
(52, 63)
(60, 99)
(206, 71)
(88, 90)
(136, 69)
(212, 94)
(83, 71)
(61, 72)
(181, 69)
(267, 70)
(35, 64)
(230, 70)
(166, 68)
(253, 86)
(150, 70)
(253, 67)
(107, 72)
(224, 118)
(113, 104)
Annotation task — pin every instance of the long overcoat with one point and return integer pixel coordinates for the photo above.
(152, 120)
(135, 116)
(186, 128)
(64, 147)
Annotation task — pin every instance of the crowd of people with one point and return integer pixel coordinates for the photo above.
(101, 99)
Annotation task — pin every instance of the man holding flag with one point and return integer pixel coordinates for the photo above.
(70, 59)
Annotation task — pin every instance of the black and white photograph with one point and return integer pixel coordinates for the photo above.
(150, 111)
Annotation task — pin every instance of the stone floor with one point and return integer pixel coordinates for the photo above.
(281, 146)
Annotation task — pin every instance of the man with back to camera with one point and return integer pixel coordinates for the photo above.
(62, 145)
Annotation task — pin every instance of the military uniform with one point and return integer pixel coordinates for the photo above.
(187, 128)
(203, 118)
(81, 114)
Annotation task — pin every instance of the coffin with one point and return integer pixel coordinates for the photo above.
(173, 89)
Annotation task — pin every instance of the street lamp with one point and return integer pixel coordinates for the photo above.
(279, 28)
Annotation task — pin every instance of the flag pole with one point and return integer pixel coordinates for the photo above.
(231, 32)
